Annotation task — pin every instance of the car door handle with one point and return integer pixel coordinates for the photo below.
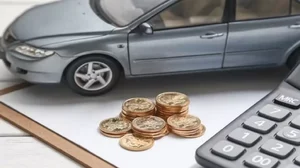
(295, 26)
(211, 35)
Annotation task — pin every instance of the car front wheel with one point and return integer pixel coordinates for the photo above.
(92, 76)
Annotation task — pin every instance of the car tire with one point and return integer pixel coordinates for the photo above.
(293, 59)
(93, 75)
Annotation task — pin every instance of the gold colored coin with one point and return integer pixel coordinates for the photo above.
(138, 114)
(135, 143)
(197, 135)
(111, 135)
(197, 131)
(148, 124)
(173, 99)
(187, 122)
(138, 105)
(115, 125)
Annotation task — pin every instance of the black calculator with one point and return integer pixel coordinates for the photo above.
(267, 135)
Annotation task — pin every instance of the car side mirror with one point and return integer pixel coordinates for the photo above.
(146, 28)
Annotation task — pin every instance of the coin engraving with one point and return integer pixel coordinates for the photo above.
(138, 105)
(172, 99)
(187, 122)
(149, 123)
(134, 143)
(115, 125)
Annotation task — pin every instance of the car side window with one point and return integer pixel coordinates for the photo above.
(260, 9)
(187, 13)
(295, 7)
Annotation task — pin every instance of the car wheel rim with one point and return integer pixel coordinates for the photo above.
(93, 76)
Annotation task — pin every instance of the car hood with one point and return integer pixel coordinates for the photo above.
(66, 17)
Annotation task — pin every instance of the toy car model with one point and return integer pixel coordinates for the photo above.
(91, 43)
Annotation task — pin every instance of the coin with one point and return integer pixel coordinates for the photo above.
(115, 125)
(148, 124)
(155, 136)
(162, 131)
(111, 135)
(138, 105)
(187, 122)
(173, 99)
(198, 134)
(192, 132)
(134, 143)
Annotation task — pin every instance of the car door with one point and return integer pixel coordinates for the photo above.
(262, 32)
(187, 36)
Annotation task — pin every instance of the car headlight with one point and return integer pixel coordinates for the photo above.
(33, 52)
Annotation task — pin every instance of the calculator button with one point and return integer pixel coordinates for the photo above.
(291, 166)
(289, 135)
(259, 160)
(273, 112)
(277, 148)
(228, 150)
(297, 160)
(244, 137)
(288, 101)
(296, 122)
(259, 124)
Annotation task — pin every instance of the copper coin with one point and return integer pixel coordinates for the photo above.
(112, 135)
(135, 143)
(115, 125)
(138, 105)
(172, 99)
(188, 122)
(149, 124)
(197, 135)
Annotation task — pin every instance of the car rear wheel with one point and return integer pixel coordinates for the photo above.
(92, 76)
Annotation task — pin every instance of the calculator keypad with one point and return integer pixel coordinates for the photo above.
(244, 137)
(251, 131)
(259, 124)
(292, 166)
(287, 101)
(274, 113)
(289, 135)
(277, 148)
(228, 150)
(259, 160)
(296, 122)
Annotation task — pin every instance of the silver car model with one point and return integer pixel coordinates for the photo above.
(91, 43)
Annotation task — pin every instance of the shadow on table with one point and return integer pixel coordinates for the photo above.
(191, 84)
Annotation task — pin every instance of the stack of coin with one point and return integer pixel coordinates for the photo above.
(171, 103)
(149, 127)
(186, 126)
(137, 107)
(115, 127)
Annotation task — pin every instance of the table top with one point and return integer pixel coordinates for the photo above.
(216, 97)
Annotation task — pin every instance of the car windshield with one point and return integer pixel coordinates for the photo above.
(123, 12)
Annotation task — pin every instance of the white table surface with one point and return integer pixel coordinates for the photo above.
(217, 98)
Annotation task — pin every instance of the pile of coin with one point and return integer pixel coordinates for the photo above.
(115, 127)
(142, 121)
(149, 127)
(172, 103)
(186, 126)
(137, 107)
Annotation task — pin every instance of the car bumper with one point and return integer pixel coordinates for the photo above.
(46, 70)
